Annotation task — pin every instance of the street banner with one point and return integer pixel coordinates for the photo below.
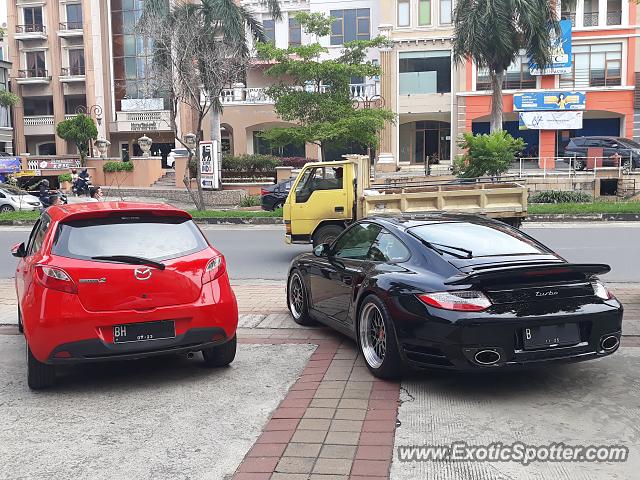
(210, 165)
(561, 48)
(566, 120)
(53, 164)
(10, 164)
(530, 101)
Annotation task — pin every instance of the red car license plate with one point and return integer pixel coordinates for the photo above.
(142, 332)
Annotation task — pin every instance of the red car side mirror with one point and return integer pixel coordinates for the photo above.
(19, 250)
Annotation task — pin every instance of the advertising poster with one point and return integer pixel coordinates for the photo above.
(561, 45)
(209, 165)
(540, 101)
(551, 120)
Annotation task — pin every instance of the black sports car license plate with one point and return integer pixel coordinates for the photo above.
(141, 332)
(550, 336)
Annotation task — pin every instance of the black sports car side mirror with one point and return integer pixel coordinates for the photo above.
(321, 250)
(19, 250)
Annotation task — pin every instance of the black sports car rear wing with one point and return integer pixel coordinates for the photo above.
(532, 271)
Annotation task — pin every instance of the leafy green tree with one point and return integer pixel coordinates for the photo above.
(490, 154)
(8, 99)
(313, 92)
(80, 130)
(492, 33)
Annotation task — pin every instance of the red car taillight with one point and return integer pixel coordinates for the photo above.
(264, 191)
(55, 278)
(460, 301)
(214, 269)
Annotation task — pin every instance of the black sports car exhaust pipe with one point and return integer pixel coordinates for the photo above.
(609, 343)
(487, 357)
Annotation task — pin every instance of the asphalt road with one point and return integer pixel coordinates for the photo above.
(259, 252)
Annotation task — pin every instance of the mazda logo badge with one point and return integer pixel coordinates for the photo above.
(142, 273)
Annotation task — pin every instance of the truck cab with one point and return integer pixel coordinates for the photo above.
(321, 202)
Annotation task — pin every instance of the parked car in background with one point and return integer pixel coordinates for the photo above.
(273, 197)
(628, 150)
(176, 152)
(118, 281)
(15, 199)
(457, 292)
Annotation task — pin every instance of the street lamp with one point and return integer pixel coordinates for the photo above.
(91, 111)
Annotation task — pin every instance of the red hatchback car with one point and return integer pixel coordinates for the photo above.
(115, 281)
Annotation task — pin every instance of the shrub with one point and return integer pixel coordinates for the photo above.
(485, 154)
(117, 167)
(296, 162)
(251, 201)
(252, 164)
(555, 196)
(65, 177)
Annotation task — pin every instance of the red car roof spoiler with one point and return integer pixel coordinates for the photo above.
(551, 269)
(126, 213)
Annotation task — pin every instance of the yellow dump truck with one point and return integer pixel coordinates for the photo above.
(327, 196)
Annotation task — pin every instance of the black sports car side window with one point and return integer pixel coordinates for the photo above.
(357, 241)
(387, 248)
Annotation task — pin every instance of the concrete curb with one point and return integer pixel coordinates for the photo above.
(591, 217)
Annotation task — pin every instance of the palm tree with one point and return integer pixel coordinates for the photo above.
(238, 25)
(234, 23)
(492, 33)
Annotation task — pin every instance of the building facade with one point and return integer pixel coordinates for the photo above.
(77, 56)
(247, 108)
(603, 66)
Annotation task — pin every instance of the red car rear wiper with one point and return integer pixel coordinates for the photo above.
(131, 260)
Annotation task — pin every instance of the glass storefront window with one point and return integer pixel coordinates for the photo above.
(425, 72)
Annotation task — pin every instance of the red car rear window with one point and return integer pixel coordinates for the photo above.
(153, 237)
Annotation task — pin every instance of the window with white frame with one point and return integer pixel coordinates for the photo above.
(76, 61)
(446, 12)
(295, 31)
(33, 20)
(594, 65)
(404, 13)
(424, 12)
(269, 28)
(74, 16)
(517, 76)
(36, 64)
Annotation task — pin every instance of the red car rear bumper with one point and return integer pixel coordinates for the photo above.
(57, 322)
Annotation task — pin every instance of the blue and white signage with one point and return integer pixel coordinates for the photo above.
(550, 120)
(561, 52)
(540, 101)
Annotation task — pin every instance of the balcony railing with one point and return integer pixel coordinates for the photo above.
(31, 28)
(590, 19)
(614, 18)
(33, 73)
(43, 120)
(259, 94)
(72, 71)
(70, 25)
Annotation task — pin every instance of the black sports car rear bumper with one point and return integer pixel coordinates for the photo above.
(96, 350)
(436, 343)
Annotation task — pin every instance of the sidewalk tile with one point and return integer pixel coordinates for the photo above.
(328, 393)
(275, 437)
(346, 426)
(313, 412)
(324, 403)
(252, 476)
(288, 413)
(318, 476)
(374, 452)
(333, 466)
(342, 438)
(258, 465)
(383, 404)
(338, 451)
(267, 450)
(314, 424)
(289, 476)
(381, 415)
(281, 424)
(350, 414)
(295, 465)
(371, 467)
(309, 436)
(377, 438)
(295, 403)
(359, 403)
(303, 450)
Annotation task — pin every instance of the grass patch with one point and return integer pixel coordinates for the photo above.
(585, 208)
(10, 216)
(26, 216)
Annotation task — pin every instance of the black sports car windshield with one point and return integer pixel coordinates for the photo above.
(479, 240)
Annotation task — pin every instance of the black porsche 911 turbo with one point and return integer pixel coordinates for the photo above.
(456, 292)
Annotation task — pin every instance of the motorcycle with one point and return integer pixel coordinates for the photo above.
(82, 184)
